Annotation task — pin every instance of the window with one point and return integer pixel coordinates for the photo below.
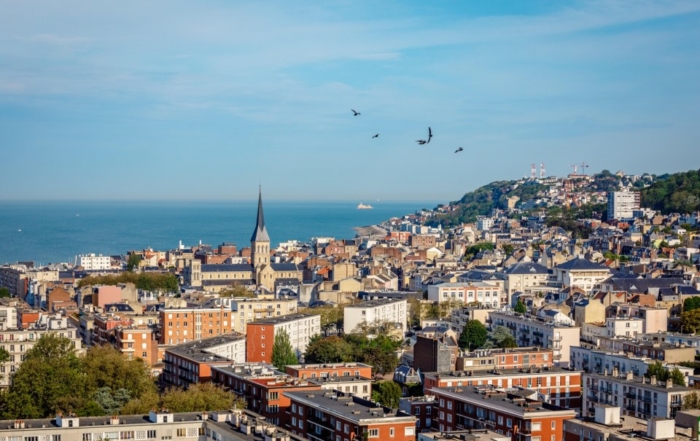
(409, 431)
(536, 427)
(509, 422)
(374, 433)
(417, 412)
(87, 436)
(347, 429)
(294, 421)
(554, 424)
(391, 432)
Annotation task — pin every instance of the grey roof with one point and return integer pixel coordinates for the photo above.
(227, 268)
(579, 264)
(282, 319)
(336, 403)
(284, 266)
(200, 350)
(526, 268)
(643, 285)
(260, 232)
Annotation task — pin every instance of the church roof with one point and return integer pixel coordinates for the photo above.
(260, 232)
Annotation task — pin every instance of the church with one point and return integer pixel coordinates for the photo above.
(259, 271)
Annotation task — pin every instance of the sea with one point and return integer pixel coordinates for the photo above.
(57, 231)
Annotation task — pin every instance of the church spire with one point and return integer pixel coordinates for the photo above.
(260, 232)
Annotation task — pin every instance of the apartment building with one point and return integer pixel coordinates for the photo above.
(671, 338)
(608, 424)
(93, 262)
(8, 317)
(505, 358)
(137, 341)
(421, 408)
(261, 334)
(667, 352)
(471, 435)
(14, 278)
(247, 310)
(485, 293)
(181, 325)
(394, 311)
(556, 386)
(623, 204)
(225, 425)
(192, 362)
(460, 316)
(581, 273)
(598, 361)
(508, 413)
(332, 416)
(526, 277)
(263, 387)
(18, 341)
(313, 371)
(637, 396)
(529, 330)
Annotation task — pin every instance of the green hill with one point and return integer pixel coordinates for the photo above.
(678, 192)
(483, 200)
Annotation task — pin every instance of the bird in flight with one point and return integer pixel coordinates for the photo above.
(376, 136)
(459, 150)
(421, 142)
(430, 134)
(355, 113)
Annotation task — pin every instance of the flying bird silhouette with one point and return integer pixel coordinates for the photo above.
(376, 136)
(430, 134)
(459, 150)
(421, 142)
(355, 113)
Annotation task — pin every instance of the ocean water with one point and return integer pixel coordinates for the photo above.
(46, 232)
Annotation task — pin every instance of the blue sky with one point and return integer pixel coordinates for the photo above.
(204, 100)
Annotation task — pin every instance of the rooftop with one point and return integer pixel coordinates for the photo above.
(282, 319)
(510, 400)
(375, 303)
(199, 351)
(466, 375)
(350, 408)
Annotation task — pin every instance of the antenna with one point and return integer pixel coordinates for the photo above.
(533, 171)
(542, 171)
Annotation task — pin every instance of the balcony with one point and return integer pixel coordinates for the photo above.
(320, 422)
(631, 395)
(556, 338)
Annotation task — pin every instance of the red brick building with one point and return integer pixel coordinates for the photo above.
(331, 416)
(313, 371)
(517, 415)
(422, 409)
(181, 325)
(261, 334)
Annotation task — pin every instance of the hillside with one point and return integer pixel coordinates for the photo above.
(483, 200)
(678, 192)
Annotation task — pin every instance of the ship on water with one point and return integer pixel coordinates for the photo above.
(364, 207)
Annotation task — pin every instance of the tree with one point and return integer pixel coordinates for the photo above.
(691, 401)
(282, 352)
(199, 397)
(331, 349)
(690, 321)
(105, 367)
(4, 357)
(691, 303)
(236, 291)
(677, 376)
(508, 249)
(49, 373)
(657, 370)
(4, 292)
(111, 402)
(473, 335)
(520, 307)
(133, 262)
(387, 393)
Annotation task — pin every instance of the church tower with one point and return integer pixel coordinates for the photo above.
(260, 241)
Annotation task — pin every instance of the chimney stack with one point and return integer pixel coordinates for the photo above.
(652, 381)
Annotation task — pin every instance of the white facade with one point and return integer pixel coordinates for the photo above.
(248, 310)
(623, 204)
(597, 362)
(484, 223)
(624, 326)
(490, 295)
(93, 262)
(533, 331)
(8, 317)
(376, 311)
(300, 330)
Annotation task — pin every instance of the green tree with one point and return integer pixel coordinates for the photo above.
(691, 303)
(387, 393)
(49, 373)
(133, 261)
(473, 335)
(658, 370)
(690, 321)
(143, 404)
(520, 307)
(677, 376)
(508, 249)
(691, 401)
(236, 291)
(111, 402)
(4, 292)
(282, 353)
(105, 367)
(331, 349)
(199, 397)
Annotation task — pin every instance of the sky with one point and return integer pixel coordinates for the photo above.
(206, 100)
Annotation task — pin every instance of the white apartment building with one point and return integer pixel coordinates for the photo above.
(484, 223)
(18, 341)
(623, 204)
(673, 338)
(488, 294)
(225, 425)
(8, 317)
(594, 361)
(624, 326)
(248, 310)
(526, 277)
(529, 330)
(93, 262)
(636, 396)
(581, 273)
(377, 311)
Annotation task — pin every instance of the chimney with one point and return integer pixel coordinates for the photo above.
(114, 420)
(669, 383)
(615, 372)
(652, 380)
(605, 372)
(629, 375)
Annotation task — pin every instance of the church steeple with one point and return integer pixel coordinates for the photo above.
(260, 232)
